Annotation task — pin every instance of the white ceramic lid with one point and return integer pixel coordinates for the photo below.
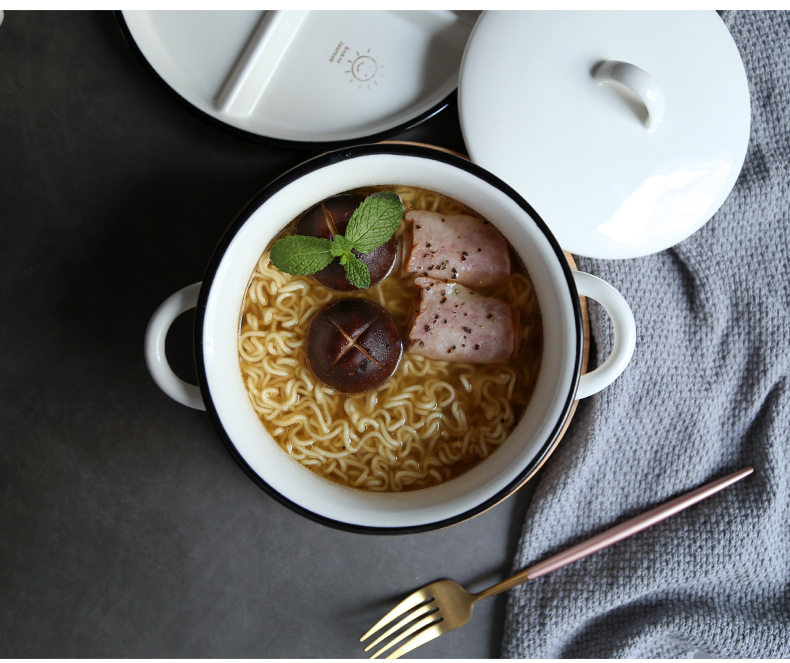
(306, 76)
(624, 130)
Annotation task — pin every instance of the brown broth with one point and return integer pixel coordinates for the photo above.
(411, 432)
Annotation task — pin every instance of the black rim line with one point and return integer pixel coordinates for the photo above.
(326, 160)
(282, 143)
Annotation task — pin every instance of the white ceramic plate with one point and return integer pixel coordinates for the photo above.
(306, 76)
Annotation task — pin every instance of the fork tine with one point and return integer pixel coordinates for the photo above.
(425, 621)
(411, 601)
(421, 610)
(420, 639)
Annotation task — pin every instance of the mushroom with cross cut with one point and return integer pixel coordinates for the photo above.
(329, 218)
(353, 345)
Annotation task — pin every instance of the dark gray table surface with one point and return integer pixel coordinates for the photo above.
(126, 529)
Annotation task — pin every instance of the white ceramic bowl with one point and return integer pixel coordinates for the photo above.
(223, 394)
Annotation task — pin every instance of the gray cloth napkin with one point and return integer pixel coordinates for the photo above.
(707, 393)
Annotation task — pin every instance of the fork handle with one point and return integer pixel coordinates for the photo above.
(614, 534)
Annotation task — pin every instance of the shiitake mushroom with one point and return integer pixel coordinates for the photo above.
(329, 218)
(353, 345)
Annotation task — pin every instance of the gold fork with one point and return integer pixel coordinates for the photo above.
(444, 605)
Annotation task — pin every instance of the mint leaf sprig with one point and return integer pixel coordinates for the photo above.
(371, 225)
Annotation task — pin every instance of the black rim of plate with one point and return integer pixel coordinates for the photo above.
(282, 143)
(316, 163)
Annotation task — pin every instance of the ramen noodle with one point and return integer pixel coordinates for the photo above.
(431, 421)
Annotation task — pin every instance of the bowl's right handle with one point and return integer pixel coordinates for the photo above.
(624, 333)
(155, 359)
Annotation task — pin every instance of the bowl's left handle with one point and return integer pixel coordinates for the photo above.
(155, 359)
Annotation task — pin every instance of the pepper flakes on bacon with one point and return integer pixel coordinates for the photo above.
(453, 323)
(460, 248)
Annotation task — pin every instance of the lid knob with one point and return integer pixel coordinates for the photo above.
(638, 81)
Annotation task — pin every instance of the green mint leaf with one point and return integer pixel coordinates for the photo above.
(301, 255)
(374, 221)
(340, 246)
(357, 271)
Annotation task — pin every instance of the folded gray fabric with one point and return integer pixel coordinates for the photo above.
(707, 393)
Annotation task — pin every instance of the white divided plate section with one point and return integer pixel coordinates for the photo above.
(312, 76)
